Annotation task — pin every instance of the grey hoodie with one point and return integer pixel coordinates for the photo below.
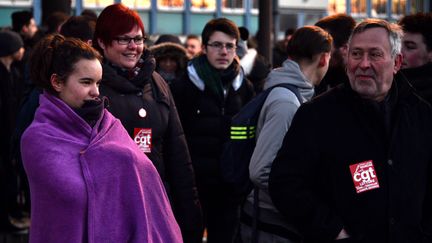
(274, 120)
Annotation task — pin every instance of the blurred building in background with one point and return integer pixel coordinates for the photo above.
(184, 17)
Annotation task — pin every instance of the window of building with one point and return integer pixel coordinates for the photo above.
(358, 7)
(336, 6)
(232, 3)
(286, 21)
(379, 7)
(398, 7)
(136, 4)
(204, 5)
(255, 4)
(16, 2)
(233, 6)
(97, 3)
(170, 4)
(417, 6)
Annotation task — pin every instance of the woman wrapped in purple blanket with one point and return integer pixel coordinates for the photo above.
(89, 181)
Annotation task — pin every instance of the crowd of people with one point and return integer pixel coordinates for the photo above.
(107, 137)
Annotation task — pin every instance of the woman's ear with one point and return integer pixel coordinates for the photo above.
(56, 83)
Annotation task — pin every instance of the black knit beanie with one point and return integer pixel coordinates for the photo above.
(10, 42)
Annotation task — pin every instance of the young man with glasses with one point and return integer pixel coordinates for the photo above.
(142, 100)
(214, 91)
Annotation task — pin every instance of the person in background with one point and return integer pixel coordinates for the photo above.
(11, 50)
(417, 40)
(54, 22)
(340, 27)
(24, 24)
(171, 61)
(79, 27)
(214, 91)
(255, 66)
(279, 49)
(167, 38)
(417, 52)
(89, 14)
(142, 100)
(308, 61)
(356, 163)
(89, 182)
(193, 45)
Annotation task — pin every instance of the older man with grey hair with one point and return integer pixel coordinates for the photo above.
(355, 165)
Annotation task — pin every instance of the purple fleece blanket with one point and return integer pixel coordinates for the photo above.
(91, 184)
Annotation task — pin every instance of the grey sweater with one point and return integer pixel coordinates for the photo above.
(274, 120)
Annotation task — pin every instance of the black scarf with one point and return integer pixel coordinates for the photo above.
(216, 80)
(91, 111)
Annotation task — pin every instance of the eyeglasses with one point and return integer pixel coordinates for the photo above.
(230, 47)
(138, 40)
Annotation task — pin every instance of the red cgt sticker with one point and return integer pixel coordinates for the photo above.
(143, 138)
(364, 176)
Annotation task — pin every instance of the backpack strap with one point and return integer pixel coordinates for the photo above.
(293, 89)
(255, 216)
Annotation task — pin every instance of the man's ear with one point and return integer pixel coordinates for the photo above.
(24, 29)
(56, 83)
(101, 44)
(324, 58)
(398, 63)
(344, 52)
(430, 56)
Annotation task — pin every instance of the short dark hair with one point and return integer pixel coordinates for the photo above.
(115, 20)
(79, 27)
(192, 36)
(20, 19)
(220, 24)
(168, 38)
(56, 54)
(308, 41)
(55, 20)
(244, 33)
(90, 14)
(419, 23)
(339, 26)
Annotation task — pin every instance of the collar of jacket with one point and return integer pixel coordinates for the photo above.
(199, 83)
(121, 85)
(402, 91)
(419, 77)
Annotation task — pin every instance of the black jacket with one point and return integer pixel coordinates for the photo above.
(312, 178)
(11, 93)
(206, 120)
(169, 151)
(421, 80)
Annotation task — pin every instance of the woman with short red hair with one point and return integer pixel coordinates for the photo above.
(142, 100)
